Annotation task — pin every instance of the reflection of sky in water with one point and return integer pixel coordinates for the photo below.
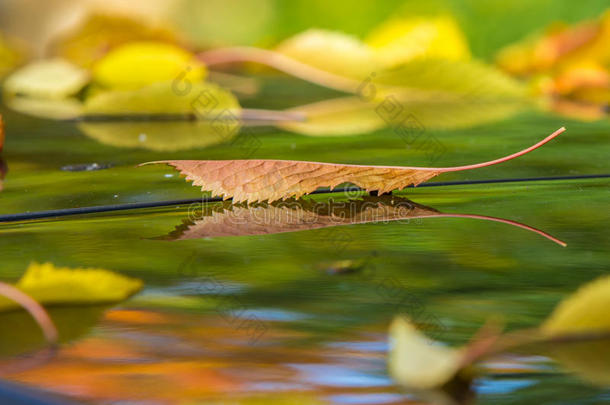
(501, 386)
(338, 376)
(380, 346)
(266, 314)
(357, 399)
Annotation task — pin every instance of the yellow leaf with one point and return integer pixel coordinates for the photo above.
(9, 57)
(53, 78)
(418, 362)
(584, 311)
(101, 33)
(402, 39)
(60, 109)
(138, 64)
(331, 51)
(50, 285)
(204, 100)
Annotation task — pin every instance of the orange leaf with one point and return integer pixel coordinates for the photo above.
(271, 180)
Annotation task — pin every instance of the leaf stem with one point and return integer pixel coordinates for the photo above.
(39, 314)
(280, 62)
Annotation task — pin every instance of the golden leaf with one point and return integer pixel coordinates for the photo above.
(270, 180)
(416, 361)
(401, 39)
(584, 311)
(54, 78)
(331, 51)
(101, 33)
(138, 64)
(52, 285)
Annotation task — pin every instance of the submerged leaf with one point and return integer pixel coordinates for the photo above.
(52, 285)
(204, 101)
(260, 180)
(138, 64)
(54, 78)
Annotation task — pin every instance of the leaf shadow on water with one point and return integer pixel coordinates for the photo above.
(292, 215)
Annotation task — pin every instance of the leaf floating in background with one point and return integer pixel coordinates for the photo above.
(299, 215)
(138, 64)
(401, 39)
(52, 285)
(271, 180)
(101, 33)
(416, 361)
(206, 101)
(9, 57)
(53, 78)
(585, 311)
(352, 115)
(331, 51)
(60, 109)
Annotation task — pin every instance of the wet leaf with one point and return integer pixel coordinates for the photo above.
(52, 285)
(53, 78)
(260, 180)
(101, 33)
(161, 136)
(204, 101)
(138, 64)
(401, 39)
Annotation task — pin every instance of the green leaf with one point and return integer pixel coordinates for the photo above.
(50, 285)
(53, 78)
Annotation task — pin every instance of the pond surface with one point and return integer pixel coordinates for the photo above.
(241, 310)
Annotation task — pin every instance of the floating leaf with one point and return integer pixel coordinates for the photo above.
(53, 78)
(204, 101)
(331, 51)
(401, 39)
(585, 311)
(260, 180)
(101, 33)
(352, 115)
(161, 136)
(138, 64)
(418, 362)
(298, 215)
(52, 285)
(60, 109)
(9, 57)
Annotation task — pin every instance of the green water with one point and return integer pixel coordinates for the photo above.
(302, 317)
